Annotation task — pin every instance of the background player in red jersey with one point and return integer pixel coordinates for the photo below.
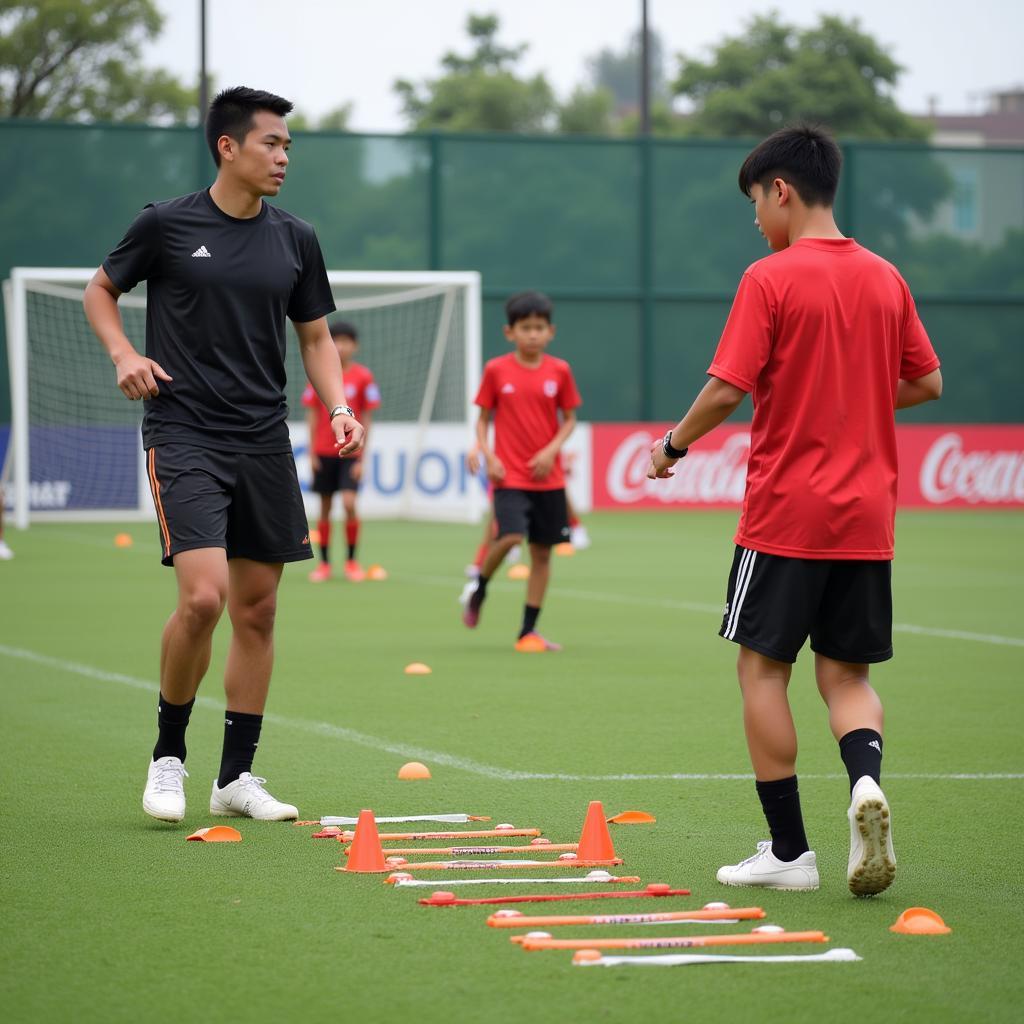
(532, 397)
(331, 472)
(825, 337)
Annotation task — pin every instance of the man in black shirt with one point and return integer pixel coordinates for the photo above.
(223, 270)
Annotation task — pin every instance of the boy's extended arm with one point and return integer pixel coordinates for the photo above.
(137, 375)
(323, 369)
(915, 392)
(717, 401)
(543, 461)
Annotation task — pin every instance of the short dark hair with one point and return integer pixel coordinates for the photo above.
(343, 329)
(526, 304)
(804, 156)
(232, 110)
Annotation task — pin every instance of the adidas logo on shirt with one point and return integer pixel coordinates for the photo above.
(203, 252)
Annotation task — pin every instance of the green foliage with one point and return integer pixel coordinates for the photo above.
(479, 92)
(79, 60)
(619, 72)
(587, 112)
(774, 73)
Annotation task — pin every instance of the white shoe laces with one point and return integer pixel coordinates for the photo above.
(254, 784)
(763, 849)
(168, 778)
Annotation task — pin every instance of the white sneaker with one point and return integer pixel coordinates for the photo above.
(766, 871)
(6, 554)
(872, 865)
(467, 591)
(246, 798)
(164, 796)
(579, 538)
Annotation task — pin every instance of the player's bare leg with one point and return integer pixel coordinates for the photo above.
(202, 577)
(252, 606)
(536, 587)
(496, 553)
(353, 570)
(785, 862)
(856, 717)
(323, 571)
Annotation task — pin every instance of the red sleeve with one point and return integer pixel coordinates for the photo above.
(309, 397)
(487, 396)
(918, 357)
(746, 341)
(568, 396)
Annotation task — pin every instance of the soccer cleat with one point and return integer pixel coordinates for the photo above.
(534, 643)
(164, 795)
(6, 554)
(471, 606)
(765, 871)
(872, 865)
(579, 538)
(467, 592)
(354, 571)
(321, 573)
(246, 798)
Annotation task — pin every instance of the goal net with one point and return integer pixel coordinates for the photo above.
(76, 443)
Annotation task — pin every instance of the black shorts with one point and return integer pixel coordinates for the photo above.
(773, 604)
(248, 503)
(541, 516)
(334, 474)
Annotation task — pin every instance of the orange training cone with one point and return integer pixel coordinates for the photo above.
(366, 853)
(595, 840)
(920, 921)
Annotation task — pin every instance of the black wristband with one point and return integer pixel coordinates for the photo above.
(670, 452)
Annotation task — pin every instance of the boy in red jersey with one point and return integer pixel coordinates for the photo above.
(533, 399)
(825, 337)
(331, 472)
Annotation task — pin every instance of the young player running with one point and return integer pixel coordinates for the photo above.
(331, 471)
(533, 399)
(825, 337)
(224, 269)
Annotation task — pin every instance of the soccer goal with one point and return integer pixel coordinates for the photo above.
(76, 448)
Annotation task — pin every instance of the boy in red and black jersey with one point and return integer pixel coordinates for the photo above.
(532, 398)
(333, 472)
(825, 337)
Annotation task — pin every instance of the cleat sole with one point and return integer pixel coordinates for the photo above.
(877, 867)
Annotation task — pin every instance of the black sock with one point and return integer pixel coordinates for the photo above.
(241, 735)
(324, 556)
(530, 614)
(477, 597)
(780, 801)
(172, 721)
(351, 552)
(861, 751)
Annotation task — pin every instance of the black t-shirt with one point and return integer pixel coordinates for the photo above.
(218, 292)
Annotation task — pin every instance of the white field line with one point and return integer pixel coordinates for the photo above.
(437, 757)
(716, 609)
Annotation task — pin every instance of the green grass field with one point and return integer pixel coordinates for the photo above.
(111, 916)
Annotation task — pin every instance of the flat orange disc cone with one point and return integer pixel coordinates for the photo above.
(633, 818)
(417, 668)
(519, 572)
(414, 770)
(216, 834)
(920, 921)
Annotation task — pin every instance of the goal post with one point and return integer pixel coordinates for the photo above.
(75, 443)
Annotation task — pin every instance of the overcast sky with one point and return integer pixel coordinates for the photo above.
(322, 53)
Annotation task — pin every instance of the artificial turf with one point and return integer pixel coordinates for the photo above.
(111, 916)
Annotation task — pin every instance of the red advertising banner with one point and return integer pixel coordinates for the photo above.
(941, 466)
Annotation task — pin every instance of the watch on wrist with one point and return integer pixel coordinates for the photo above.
(341, 410)
(669, 450)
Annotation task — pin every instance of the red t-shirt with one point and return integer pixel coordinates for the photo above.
(820, 334)
(526, 401)
(361, 393)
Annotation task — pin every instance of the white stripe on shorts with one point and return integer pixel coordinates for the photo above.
(746, 570)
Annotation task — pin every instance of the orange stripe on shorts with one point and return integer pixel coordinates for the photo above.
(154, 486)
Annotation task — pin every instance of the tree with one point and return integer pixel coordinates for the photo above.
(620, 72)
(775, 73)
(480, 92)
(79, 60)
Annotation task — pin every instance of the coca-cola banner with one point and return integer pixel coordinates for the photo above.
(941, 466)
